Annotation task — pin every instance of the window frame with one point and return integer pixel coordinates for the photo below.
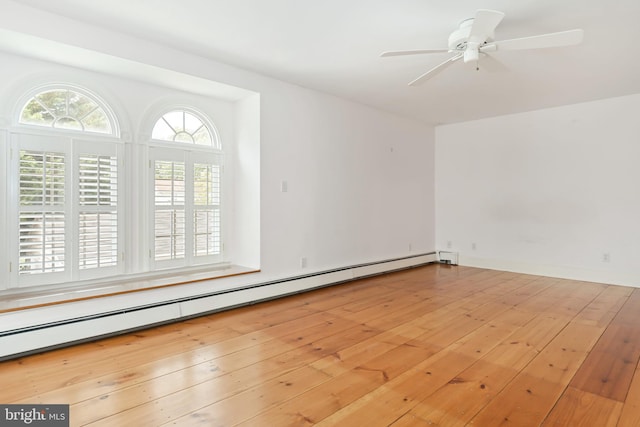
(189, 155)
(72, 147)
(216, 143)
(191, 152)
(27, 96)
(21, 135)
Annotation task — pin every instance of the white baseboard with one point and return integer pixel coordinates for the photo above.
(65, 331)
(562, 272)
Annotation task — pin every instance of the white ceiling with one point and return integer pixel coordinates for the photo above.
(334, 46)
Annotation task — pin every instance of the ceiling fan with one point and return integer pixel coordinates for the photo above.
(474, 36)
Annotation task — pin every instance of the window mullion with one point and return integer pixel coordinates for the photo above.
(73, 232)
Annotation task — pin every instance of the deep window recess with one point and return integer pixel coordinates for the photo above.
(67, 182)
(186, 201)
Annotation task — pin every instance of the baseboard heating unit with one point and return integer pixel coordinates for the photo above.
(49, 334)
(448, 257)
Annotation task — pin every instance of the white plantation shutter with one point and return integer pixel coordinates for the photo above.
(41, 218)
(97, 211)
(186, 207)
(169, 195)
(206, 217)
(42, 245)
(68, 215)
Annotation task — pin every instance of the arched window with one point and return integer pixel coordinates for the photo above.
(67, 210)
(182, 125)
(186, 197)
(68, 108)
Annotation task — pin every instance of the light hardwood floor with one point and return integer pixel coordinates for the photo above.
(431, 346)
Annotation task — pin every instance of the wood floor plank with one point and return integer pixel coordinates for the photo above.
(607, 374)
(459, 400)
(387, 403)
(247, 404)
(482, 340)
(605, 306)
(628, 313)
(577, 407)
(526, 342)
(317, 403)
(232, 371)
(433, 345)
(526, 401)
(336, 393)
(630, 416)
(609, 368)
(124, 375)
(410, 420)
(73, 371)
(531, 395)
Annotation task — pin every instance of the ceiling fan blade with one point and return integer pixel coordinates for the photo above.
(435, 70)
(562, 38)
(484, 24)
(412, 52)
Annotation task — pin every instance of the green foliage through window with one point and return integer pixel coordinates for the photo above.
(66, 109)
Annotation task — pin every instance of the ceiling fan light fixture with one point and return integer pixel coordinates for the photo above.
(471, 53)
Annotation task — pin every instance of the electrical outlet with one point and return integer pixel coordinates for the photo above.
(606, 257)
(473, 246)
(449, 244)
(303, 262)
(284, 186)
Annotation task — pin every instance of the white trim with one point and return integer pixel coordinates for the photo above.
(560, 271)
(4, 171)
(59, 326)
(159, 109)
(104, 286)
(216, 143)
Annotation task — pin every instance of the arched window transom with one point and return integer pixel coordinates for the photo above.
(67, 109)
(186, 127)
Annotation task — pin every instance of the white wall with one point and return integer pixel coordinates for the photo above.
(546, 192)
(360, 181)
(246, 223)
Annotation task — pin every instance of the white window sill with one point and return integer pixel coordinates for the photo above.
(18, 299)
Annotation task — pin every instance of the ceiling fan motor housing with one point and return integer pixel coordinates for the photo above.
(459, 38)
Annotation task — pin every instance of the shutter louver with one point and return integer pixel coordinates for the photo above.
(98, 219)
(206, 217)
(169, 187)
(42, 217)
